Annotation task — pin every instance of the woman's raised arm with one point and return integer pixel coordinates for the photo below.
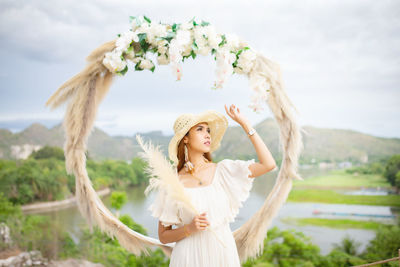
(266, 161)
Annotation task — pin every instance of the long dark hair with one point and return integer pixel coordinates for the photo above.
(181, 154)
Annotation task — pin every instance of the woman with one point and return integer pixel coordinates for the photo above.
(216, 189)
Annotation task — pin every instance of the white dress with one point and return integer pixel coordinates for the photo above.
(221, 200)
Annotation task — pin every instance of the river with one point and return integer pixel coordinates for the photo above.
(324, 237)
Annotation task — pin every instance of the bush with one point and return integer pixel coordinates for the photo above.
(47, 152)
(392, 168)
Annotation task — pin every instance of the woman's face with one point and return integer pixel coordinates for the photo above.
(199, 138)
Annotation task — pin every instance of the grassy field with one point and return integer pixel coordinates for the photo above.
(339, 178)
(330, 196)
(322, 189)
(335, 223)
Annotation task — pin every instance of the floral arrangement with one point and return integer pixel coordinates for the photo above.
(174, 43)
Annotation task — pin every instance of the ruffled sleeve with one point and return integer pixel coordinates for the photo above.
(235, 180)
(165, 209)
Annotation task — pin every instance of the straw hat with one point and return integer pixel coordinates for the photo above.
(216, 121)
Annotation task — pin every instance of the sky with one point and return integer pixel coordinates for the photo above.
(339, 61)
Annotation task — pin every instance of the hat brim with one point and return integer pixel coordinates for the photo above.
(217, 123)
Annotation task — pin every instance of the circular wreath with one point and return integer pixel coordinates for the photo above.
(173, 44)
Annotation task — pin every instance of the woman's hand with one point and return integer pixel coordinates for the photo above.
(235, 114)
(199, 223)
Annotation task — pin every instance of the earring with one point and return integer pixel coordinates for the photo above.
(188, 165)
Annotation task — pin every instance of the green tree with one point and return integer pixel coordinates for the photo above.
(348, 245)
(385, 245)
(397, 182)
(128, 221)
(48, 152)
(138, 165)
(118, 199)
(392, 168)
(98, 247)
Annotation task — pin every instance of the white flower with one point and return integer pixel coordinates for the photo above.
(159, 30)
(162, 49)
(202, 44)
(186, 26)
(162, 59)
(112, 60)
(256, 106)
(187, 50)
(243, 44)
(198, 32)
(225, 57)
(124, 41)
(224, 66)
(137, 59)
(183, 37)
(153, 30)
(232, 41)
(175, 51)
(246, 60)
(259, 85)
(177, 70)
(134, 25)
(206, 36)
(213, 37)
(130, 55)
(146, 64)
(205, 50)
(238, 70)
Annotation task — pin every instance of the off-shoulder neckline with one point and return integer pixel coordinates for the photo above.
(206, 186)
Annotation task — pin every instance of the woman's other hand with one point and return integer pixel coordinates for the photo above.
(199, 223)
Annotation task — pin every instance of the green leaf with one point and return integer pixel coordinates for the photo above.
(194, 46)
(142, 41)
(119, 35)
(142, 36)
(184, 57)
(204, 23)
(193, 54)
(137, 66)
(139, 53)
(153, 68)
(130, 49)
(223, 40)
(122, 72)
(147, 19)
(213, 51)
(234, 64)
(175, 27)
(169, 37)
(246, 48)
(238, 53)
(138, 21)
(131, 18)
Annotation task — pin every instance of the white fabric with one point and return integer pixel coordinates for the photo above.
(222, 200)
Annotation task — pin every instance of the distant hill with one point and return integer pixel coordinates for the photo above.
(329, 145)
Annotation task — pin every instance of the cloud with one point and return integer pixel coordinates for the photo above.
(335, 56)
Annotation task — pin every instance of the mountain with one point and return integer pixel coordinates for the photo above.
(330, 145)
